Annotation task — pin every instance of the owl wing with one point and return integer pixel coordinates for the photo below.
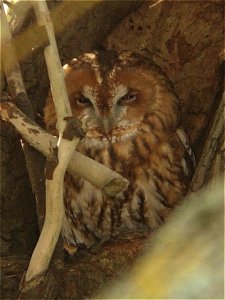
(188, 162)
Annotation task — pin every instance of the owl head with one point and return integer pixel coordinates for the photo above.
(112, 94)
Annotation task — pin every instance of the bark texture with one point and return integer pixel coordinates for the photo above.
(186, 39)
(73, 23)
(80, 26)
(72, 278)
(19, 228)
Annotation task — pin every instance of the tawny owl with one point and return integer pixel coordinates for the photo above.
(130, 114)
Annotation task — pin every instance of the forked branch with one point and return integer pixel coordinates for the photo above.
(54, 184)
(97, 174)
(58, 151)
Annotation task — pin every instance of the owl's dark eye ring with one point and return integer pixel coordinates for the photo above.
(83, 101)
(128, 98)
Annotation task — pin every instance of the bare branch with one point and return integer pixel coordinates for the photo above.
(54, 187)
(18, 13)
(34, 161)
(96, 173)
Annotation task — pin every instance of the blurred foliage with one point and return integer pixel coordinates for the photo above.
(185, 258)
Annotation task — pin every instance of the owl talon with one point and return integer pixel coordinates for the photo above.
(68, 258)
(69, 249)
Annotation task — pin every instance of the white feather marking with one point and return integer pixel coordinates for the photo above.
(89, 93)
(184, 140)
(184, 166)
(118, 92)
(65, 66)
(151, 202)
(99, 78)
(99, 141)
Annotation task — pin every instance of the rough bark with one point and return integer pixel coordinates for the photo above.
(186, 39)
(177, 262)
(79, 25)
(100, 19)
(34, 161)
(72, 278)
(211, 163)
(19, 230)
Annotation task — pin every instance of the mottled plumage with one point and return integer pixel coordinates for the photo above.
(131, 118)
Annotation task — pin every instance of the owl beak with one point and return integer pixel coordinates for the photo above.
(107, 124)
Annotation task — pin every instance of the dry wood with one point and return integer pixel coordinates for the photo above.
(186, 39)
(179, 262)
(34, 161)
(10, 63)
(17, 14)
(74, 279)
(188, 34)
(210, 149)
(96, 173)
(54, 187)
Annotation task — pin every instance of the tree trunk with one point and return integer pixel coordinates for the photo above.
(186, 39)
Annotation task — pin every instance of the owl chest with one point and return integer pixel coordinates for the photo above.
(145, 158)
(155, 186)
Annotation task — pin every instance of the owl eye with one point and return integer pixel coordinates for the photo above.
(83, 101)
(128, 98)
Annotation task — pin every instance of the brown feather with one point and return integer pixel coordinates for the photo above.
(144, 142)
